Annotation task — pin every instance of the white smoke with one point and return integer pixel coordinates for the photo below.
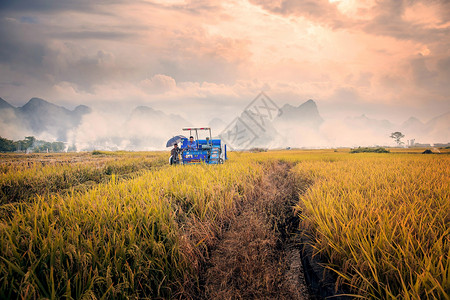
(136, 131)
(145, 129)
(330, 134)
(8, 125)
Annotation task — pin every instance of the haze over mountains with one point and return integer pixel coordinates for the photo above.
(145, 128)
(41, 118)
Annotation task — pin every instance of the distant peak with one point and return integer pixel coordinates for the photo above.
(4, 104)
(216, 122)
(444, 116)
(83, 109)
(36, 102)
(287, 106)
(309, 104)
(413, 119)
(144, 109)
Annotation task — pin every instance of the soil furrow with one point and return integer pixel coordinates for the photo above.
(257, 258)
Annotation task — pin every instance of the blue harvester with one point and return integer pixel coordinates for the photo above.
(208, 150)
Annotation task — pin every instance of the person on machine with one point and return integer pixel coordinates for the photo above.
(192, 145)
(174, 154)
(207, 145)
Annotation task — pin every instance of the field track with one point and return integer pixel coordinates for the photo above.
(256, 258)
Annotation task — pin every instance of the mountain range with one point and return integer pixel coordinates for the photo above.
(147, 129)
(39, 117)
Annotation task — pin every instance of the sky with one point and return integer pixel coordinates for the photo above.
(205, 59)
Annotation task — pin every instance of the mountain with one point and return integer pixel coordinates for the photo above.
(147, 112)
(303, 115)
(151, 117)
(442, 122)
(81, 110)
(217, 125)
(412, 122)
(373, 124)
(5, 105)
(10, 125)
(42, 116)
(298, 126)
(39, 117)
(438, 128)
(290, 126)
(249, 130)
(262, 124)
(413, 127)
(147, 128)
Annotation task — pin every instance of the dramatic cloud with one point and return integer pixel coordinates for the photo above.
(206, 59)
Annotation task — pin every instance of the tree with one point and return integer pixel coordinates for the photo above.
(397, 136)
(29, 141)
(58, 147)
(7, 145)
(72, 148)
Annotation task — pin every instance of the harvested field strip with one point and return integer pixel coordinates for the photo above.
(35, 175)
(253, 258)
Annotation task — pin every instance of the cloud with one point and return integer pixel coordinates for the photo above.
(52, 6)
(422, 21)
(211, 57)
(159, 83)
(92, 35)
(321, 11)
(21, 44)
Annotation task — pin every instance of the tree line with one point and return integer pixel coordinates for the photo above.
(31, 144)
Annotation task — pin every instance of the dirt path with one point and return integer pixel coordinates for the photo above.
(257, 257)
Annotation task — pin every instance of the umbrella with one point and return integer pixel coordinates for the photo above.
(175, 140)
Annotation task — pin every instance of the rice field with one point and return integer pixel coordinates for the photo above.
(123, 238)
(143, 229)
(382, 222)
(24, 176)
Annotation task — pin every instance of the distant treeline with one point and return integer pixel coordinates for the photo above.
(30, 144)
(369, 149)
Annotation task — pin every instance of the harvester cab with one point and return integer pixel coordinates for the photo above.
(205, 149)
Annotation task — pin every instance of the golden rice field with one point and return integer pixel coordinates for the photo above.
(22, 176)
(143, 229)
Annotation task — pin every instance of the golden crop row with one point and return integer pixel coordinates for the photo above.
(29, 176)
(382, 222)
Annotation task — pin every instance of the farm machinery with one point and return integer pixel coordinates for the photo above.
(195, 150)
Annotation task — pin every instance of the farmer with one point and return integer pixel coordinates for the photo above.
(192, 145)
(207, 145)
(174, 154)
